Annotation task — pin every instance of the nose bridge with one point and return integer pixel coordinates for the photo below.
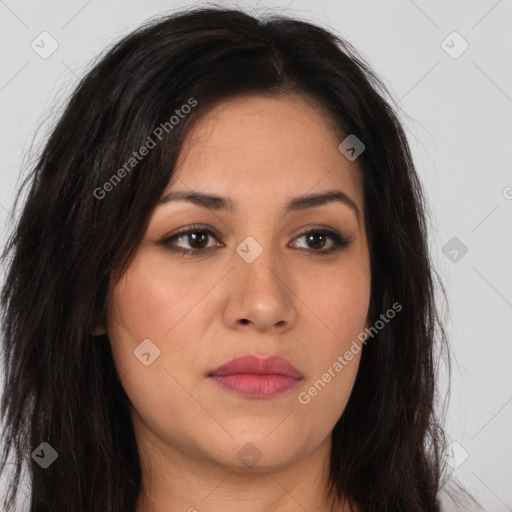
(259, 289)
(259, 259)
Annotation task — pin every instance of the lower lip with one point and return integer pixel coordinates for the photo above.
(256, 386)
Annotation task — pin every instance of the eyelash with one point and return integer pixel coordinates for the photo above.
(338, 240)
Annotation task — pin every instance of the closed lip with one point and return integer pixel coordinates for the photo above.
(253, 365)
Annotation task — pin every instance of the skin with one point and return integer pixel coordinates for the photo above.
(203, 310)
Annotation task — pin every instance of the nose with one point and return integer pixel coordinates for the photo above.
(260, 294)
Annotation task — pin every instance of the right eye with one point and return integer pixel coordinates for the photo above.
(195, 236)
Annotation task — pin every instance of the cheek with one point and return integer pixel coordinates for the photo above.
(171, 308)
(338, 302)
(153, 297)
(151, 302)
(334, 353)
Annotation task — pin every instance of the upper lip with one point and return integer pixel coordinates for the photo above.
(273, 365)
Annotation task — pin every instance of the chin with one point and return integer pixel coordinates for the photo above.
(258, 452)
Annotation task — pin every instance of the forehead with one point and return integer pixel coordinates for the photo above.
(273, 147)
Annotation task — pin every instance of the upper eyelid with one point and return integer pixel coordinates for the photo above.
(191, 229)
(332, 232)
(212, 231)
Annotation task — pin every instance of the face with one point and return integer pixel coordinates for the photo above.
(257, 275)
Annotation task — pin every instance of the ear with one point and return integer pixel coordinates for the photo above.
(99, 331)
(99, 327)
(99, 322)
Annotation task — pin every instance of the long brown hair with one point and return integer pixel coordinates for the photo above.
(61, 385)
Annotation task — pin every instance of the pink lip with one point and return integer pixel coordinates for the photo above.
(257, 377)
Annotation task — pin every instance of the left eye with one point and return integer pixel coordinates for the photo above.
(317, 240)
(197, 238)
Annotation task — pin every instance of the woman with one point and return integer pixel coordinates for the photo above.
(219, 294)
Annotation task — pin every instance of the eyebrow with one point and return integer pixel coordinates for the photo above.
(299, 203)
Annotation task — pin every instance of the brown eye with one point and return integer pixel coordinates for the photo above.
(196, 238)
(317, 239)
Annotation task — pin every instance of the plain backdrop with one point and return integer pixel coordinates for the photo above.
(456, 104)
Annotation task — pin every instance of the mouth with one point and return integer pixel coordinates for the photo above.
(256, 377)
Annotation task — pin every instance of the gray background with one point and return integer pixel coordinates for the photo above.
(458, 117)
